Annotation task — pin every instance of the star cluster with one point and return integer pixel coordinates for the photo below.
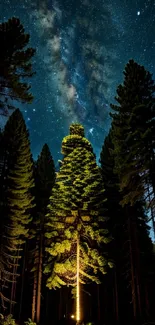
(82, 47)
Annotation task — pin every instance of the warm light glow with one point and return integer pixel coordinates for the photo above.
(78, 284)
(72, 316)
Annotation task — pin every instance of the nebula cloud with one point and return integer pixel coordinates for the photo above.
(78, 50)
(47, 24)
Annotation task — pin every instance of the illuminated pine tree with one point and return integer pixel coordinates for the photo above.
(15, 64)
(75, 218)
(75, 139)
(18, 198)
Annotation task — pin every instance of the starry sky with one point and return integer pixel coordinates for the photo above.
(82, 47)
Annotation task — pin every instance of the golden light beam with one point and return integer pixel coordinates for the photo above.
(78, 283)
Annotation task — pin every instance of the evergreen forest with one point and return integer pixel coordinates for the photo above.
(75, 245)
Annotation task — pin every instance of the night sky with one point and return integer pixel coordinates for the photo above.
(82, 47)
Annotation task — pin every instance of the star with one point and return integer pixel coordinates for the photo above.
(91, 130)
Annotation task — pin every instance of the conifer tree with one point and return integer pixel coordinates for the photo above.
(76, 215)
(75, 139)
(18, 199)
(115, 221)
(15, 64)
(44, 181)
(131, 246)
(134, 134)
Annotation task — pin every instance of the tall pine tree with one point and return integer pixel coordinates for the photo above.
(18, 201)
(76, 215)
(44, 182)
(116, 227)
(131, 248)
(133, 146)
(134, 135)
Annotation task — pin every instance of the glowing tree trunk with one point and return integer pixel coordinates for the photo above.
(78, 282)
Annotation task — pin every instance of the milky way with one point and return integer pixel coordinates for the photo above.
(82, 48)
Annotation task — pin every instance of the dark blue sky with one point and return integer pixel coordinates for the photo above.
(82, 48)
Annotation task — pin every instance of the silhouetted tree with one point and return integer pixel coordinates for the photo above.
(134, 135)
(15, 64)
(115, 223)
(131, 248)
(44, 181)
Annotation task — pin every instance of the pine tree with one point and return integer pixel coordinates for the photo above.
(44, 181)
(15, 64)
(18, 199)
(115, 222)
(134, 133)
(131, 246)
(75, 218)
(75, 139)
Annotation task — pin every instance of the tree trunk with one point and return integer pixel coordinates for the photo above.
(147, 301)
(60, 303)
(47, 306)
(116, 297)
(23, 280)
(137, 268)
(39, 279)
(34, 298)
(13, 288)
(77, 281)
(98, 303)
(14, 281)
(66, 305)
(133, 291)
